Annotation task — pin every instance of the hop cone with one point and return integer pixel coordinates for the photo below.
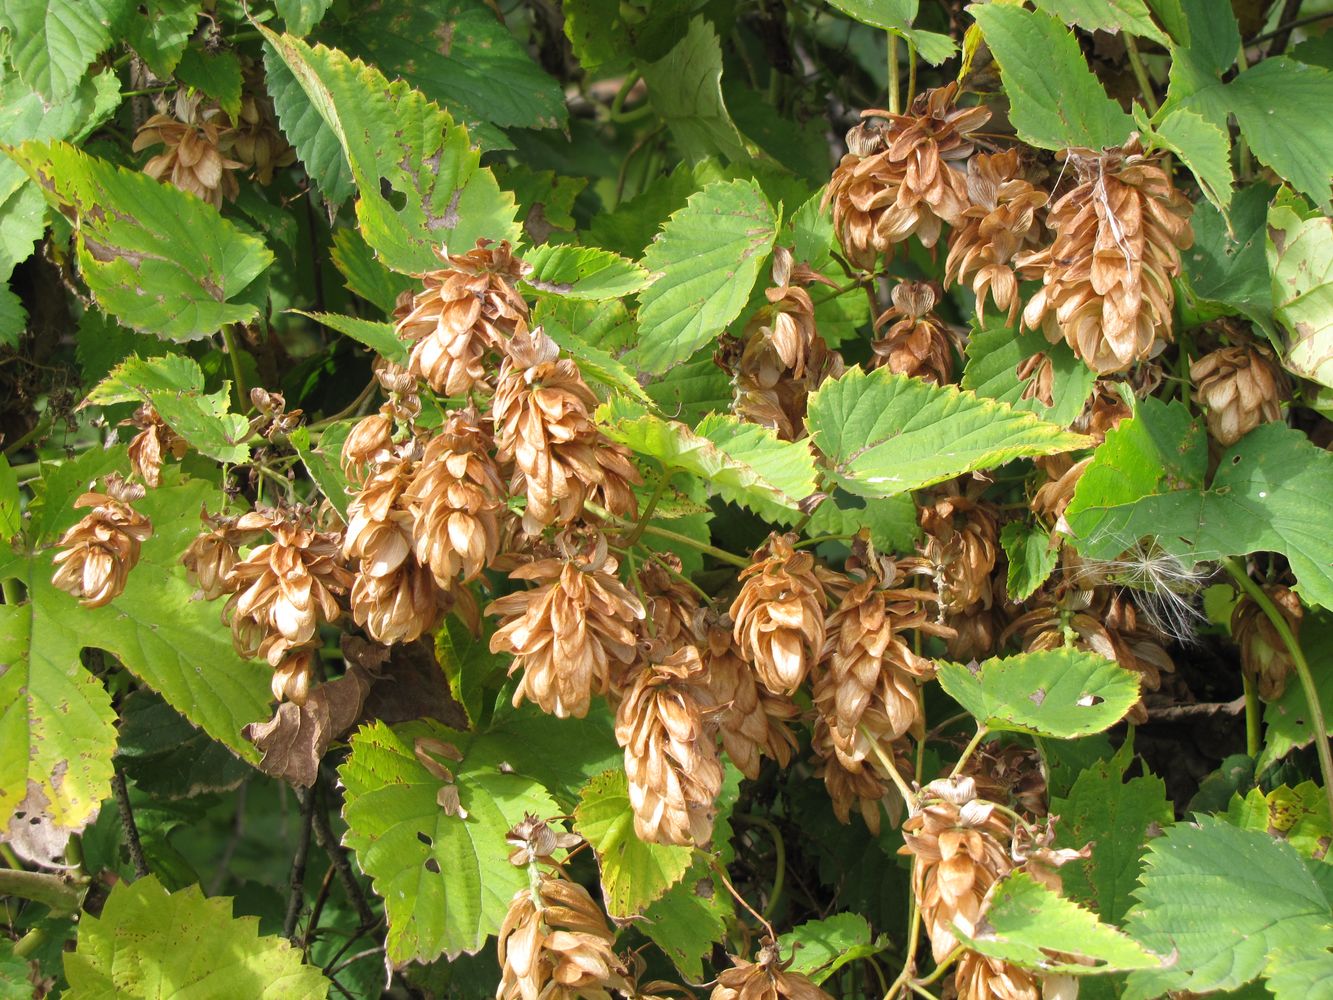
(1263, 654)
(154, 440)
(196, 145)
(962, 543)
(980, 977)
(850, 784)
(753, 721)
(1107, 277)
(1242, 387)
(779, 615)
(765, 979)
(210, 557)
(97, 554)
(916, 343)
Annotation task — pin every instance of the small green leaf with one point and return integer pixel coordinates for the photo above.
(582, 272)
(885, 434)
(1203, 146)
(1297, 815)
(890, 15)
(160, 30)
(1026, 922)
(470, 666)
(1300, 257)
(1062, 693)
(1222, 899)
(994, 356)
(822, 947)
(215, 74)
(1129, 16)
(704, 264)
(52, 42)
(1287, 721)
(685, 87)
(1032, 557)
(595, 323)
(158, 259)
(11, 511)
(165, 755)
(365, 276)
(305, 128)
(892, 520)
(148, 943)
(1226, 274)
(634, 873)
(302, 15)
(378, 337)
(325, 462)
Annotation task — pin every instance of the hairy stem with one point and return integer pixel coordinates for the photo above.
(127, 824)
(296, 882)
(887, 763)
(1140, 74)
(58, 893)
(894, 106)
(1253, 739)
(968, 750)
(328, 843)
(649, 508)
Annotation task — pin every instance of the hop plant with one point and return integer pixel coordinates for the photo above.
(1263, 655)
(97, 554)
(766, 978)
(779, 615)
(154, 441)
(211, 555)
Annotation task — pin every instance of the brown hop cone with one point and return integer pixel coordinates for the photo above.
(671, 603)
(1038, 372)
(456, 499)
(979, 977)
(257, 141)
(1000, 221)
(468, 309)
(779, 614)
(566, 632)
(292, 676)
(154, 440)
(917, 343)
(769, 394)
(1107, 277)
(196, 144)
(1103, 411)
(787, 323)
(1062, 476)
(283, 590)
(1263, 654)
(898, 178)
(209, 558)
(369, 443)
(543, 425)
(867, 689)
(976, 632)
(394, 596)
(97, 554)
(1010, 775)
(554, 944)
(850, 784)
(962, 543)
(1241, 386)
(961, 846)
(767, 978)
(671, 756)
(753, 721)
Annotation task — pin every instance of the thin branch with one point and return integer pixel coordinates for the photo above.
(127, 824)
(328, 843)
(296, 883)
(1197, 710)
(316, 911)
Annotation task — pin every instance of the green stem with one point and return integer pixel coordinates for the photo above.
(967, 750)
(721, 554)
(1253, 740)
(943, 967)
(27, 470)
(887, 763)
(780, 861)
(1141, 74)
(911, 73)
(238, 380)
(617, 112)
(53, 891)
(1256, 593)
(920, 991)
(38, 429)
(894, 106)
(10, 590)
(30, 942)
(649, 508)
(913, 939)
(821, 539)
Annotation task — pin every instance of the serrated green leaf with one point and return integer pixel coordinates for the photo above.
(13, 317)
(704, 263)
(693, 390)
(885, 433)
(148, 943)
(1026, 923)
(446, 880)
(1226, 272)
(631, 227)
(1130, 16)
(745, 463)
(685, 88)
(300, 16)
(1264, 99)
(1055, 100)
(160, 30)
(1297, 815)
(634, 873)
(1118, 818)
(420, 183)
(562, 754)
(158, 259)
(892, 520)
(469, 665)
(545, 199)
(994, 356)
(164, 755)
(365, 276)
(134, 378)
(582, 272)
(378, 337)
(886, 14)
(822, 947)
(1273, 492)
(1299, 973)
(215, 74)
(1222, 899)
(1062, 693)
(594, 323)
(1203, 146)
(1300, 258)
(314, 141)
(1031, 555)
(52, 42)
(324, 463)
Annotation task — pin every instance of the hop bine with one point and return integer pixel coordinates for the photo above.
(97, 554)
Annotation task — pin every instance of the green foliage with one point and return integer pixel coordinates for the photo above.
(822, 947)
(994, 356)
(1032, 555)
(685, 87)
(1300, 257)
(582, 273)
(52, 42)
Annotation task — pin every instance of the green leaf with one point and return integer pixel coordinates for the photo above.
(582, 272)
(11, 510)
(745, 463)
(1287, 720)
(704, 262)
(52, 42)
(1055, 100)
(1062, 693)
(13, 317)
(300, 16)
(693, 390)
(1225, 274)
(545, 199)
(1026, 922)
(164, 755)
(446, 880)
(562, 754)
(1266, 100)
(1222, 899)
(892, 520)
(419, 181)
(1300, 257)
(822, 947)
(325, 462)
(470, 666)
(148, 943)
(634, 873)
(366, 276)
(174, 385)
(593, 322)
(160, 30)
(1273, 491)
(1117, 817)
(1031, 555)
(994, 356)
(1299, 973)
(1297, 815)
(1203, 146)
(885, 433)
(378, 337)
(158, 259)
(305, 128)
(685, 88)
(1130, 16)
(891, 15)
(216, 74)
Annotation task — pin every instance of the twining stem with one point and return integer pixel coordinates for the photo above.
(975, 742)
(328, 843)
(911, 73)
(649, 508)
(721, 873)
(238, 379)
(894, 106)
(920, 991)
(130, 828)
(887, 763)
(670, 536)
(53, 891)
(779, 849)
(913, 940)
(1266, 605)
(1253, 741)
(1140, 74)
(296, 882)
(943, 967)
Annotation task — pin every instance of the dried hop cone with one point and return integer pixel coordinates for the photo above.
(543, 424)
(1241, 386)
(671, 756)
(1000, 222)
(457, 499)
(779, 614)
(916, 343)
(980, 977)
(554, 944)
(566, 633)
(1263, 654)
(787, 323)
(766, 978)
(898, 178)
(258, 142)
(468, 309)
(210, 557)
(754, 722)
(850, 784)
(962, 543)
(154, 441)
(197, 142)
(1106, 279)
(97, 554)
